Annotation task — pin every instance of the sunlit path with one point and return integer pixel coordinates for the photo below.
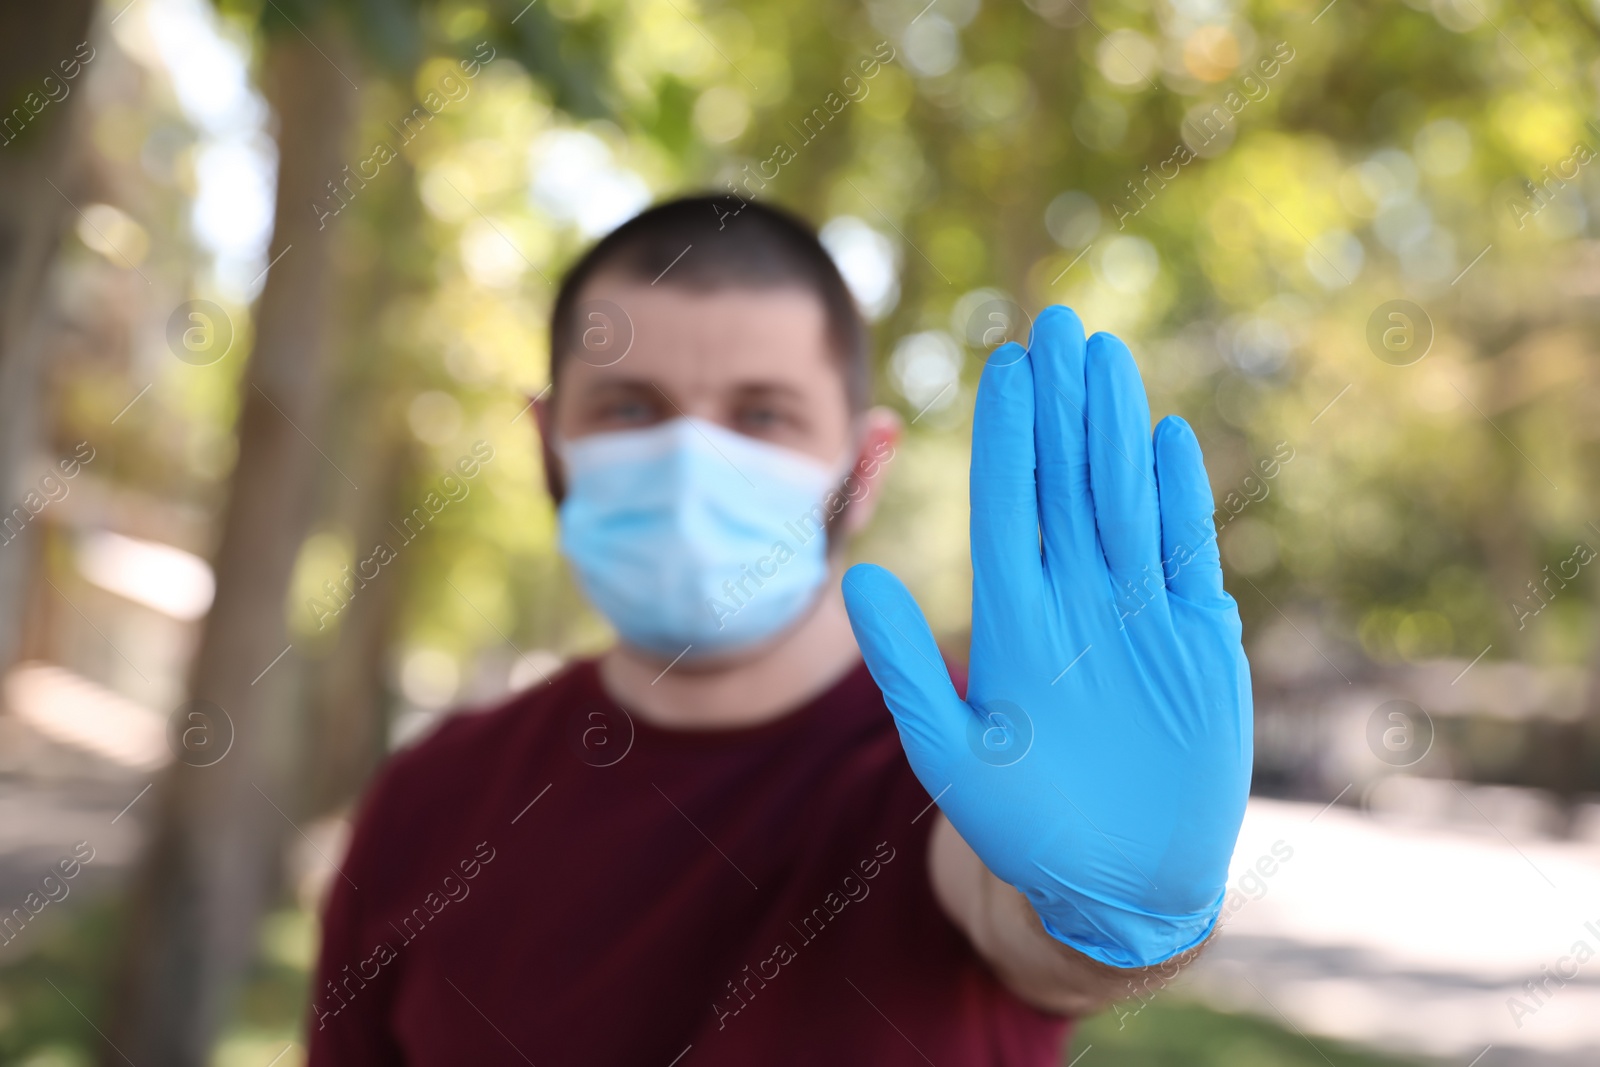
(1411, 937)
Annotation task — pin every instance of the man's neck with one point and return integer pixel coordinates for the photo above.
(758, 687)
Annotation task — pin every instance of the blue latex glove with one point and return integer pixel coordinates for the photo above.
(1102, 759)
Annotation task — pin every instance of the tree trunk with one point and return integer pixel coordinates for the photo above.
(391, 264)
(34, 153)
(205, 876)
(348, 722)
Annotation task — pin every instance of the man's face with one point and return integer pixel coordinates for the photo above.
(756, 361)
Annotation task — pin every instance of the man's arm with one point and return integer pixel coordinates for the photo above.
(1006, 931)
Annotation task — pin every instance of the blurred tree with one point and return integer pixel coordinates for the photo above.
(391, 379)
(203, 877)
(389, 263)
(39, 103)
(206, 874)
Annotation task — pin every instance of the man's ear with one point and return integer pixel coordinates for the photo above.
(544, 417)
(880, 434)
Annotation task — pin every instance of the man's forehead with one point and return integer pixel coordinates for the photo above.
(749, 334)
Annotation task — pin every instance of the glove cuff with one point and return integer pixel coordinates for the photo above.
(1123, 937)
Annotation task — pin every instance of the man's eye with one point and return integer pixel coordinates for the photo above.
(627, 411)
(761, 419)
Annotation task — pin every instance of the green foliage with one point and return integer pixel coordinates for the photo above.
(1180, 1034)
(53, 986)
(45, 997)
(1417, 504)
(1406, 129)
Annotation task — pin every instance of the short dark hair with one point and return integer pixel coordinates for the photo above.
(714, 242)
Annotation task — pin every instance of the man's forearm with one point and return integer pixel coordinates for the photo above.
(1006, 931)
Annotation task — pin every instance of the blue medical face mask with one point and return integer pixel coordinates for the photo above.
(688, 536)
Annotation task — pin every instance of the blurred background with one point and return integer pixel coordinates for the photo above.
(270, 272)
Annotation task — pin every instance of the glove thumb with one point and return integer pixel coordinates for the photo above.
(905, 662)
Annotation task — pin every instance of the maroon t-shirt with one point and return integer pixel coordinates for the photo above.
(554, 882)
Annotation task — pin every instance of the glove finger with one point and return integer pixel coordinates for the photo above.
(905, 662)
(1066, 508)
(1122, 471)
(1192, 568)
(1006, 567)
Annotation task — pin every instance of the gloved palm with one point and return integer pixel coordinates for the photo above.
(1101, 760)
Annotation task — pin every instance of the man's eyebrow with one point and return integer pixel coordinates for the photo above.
(622, 385)
(764, 388)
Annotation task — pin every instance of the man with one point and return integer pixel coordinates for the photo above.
(724, 842)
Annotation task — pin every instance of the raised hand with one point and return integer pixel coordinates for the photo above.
(1101, 760)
